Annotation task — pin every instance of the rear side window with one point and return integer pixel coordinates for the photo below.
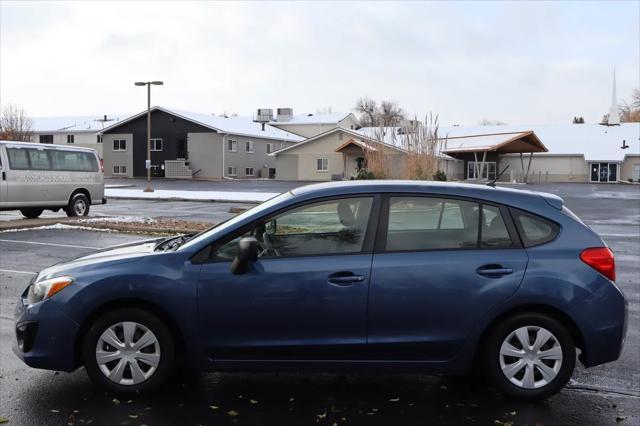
(426, 223)
(74, 161)
(18, 159)
(533, 229)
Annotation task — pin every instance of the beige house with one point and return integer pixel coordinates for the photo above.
(309, 125)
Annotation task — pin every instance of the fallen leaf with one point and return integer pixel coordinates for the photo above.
(394, 399)
(115, 401)
(513, 413)
(621, 418)
(133, 416)
(232, 413)
(443, 387)
(55, 411)
(321, 416)
(253, 401)
(214, 407)
(291, 399)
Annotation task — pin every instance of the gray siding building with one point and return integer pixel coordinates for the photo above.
(186, 144)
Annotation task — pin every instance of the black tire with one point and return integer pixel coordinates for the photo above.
(165, 341)
(79, 205)
(491, 356)
(31, 213)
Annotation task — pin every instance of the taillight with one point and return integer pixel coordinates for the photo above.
(102, 165)
(601, 259)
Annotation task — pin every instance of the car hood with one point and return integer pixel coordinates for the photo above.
(121, 253)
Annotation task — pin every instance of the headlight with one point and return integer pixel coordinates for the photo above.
(44, 289)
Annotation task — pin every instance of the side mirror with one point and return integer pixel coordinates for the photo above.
(247, 253)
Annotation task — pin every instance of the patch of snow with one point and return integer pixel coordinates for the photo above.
(161, 194)
(118, 219)
(58, 226)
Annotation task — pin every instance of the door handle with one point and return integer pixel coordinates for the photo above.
(494, 271)
(345, 278)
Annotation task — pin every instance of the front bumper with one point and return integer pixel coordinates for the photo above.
(45, 336)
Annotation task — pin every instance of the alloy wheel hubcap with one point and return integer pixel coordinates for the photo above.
(128, 353)
(530, 357)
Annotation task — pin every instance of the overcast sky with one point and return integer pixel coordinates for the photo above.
(516, 62)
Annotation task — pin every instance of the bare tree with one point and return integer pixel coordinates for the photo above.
(578, 120)
(367, 110)
(630, 112)
(15, 124)
(487, 122)
(390, 114)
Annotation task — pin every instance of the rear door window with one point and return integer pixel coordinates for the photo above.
(533, 229)
(427, 223)
(74, 161)
(494, 230)
(39, 159)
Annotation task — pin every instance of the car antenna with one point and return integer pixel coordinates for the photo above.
(493, 182)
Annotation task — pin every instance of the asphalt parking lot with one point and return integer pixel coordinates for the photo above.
(607, 394)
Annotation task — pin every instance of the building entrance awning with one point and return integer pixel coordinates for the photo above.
(502, 143)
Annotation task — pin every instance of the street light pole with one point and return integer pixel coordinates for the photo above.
(149, 188)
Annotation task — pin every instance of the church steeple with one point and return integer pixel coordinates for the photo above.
(614, 111)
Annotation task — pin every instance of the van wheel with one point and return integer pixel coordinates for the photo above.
(78, 206)
(529, 356)
(31, 213)
(128, 350)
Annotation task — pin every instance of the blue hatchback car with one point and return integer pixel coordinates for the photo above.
(385, 274)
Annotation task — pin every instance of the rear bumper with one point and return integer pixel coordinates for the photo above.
(44, 336)
(604, 340)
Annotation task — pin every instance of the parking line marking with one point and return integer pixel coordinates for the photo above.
(12, 271)
(49, 244)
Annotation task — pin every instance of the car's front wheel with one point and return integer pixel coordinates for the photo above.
(529, 356)
(128, 350)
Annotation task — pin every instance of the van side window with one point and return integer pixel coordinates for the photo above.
(74, 161)
(18, 159)
(39, 159)
(533, 229)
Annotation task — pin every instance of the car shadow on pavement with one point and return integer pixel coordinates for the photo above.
(298, 399)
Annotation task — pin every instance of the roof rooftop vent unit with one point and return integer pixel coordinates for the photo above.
(285, 114)
(264, 116)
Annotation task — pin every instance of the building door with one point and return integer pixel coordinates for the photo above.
(604, 172)
(595, 172)
(181, 149)
(613, 172)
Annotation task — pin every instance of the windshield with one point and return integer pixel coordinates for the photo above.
(229, 224)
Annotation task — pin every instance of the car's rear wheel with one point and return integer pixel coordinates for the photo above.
(128, 350)
(31, 213)
(529, 356)
(78, 206)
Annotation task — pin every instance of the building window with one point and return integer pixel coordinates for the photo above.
(322, 164)
(231, 171)
(156, 144)
(119, 145)
(99, 139)
(71, 139)
(248, 147)
(119, 170)
(232, 145)
(46, 138)
(248, 171)
(269, 148)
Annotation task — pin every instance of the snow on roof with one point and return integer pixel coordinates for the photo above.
(240, 126)
(595, 142)
(328, 118)
(85, 123)
(480, 142)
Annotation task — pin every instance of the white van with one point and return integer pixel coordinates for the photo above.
(36, 177)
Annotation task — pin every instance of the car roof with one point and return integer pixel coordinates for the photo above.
(509, 196)
(45, 146)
